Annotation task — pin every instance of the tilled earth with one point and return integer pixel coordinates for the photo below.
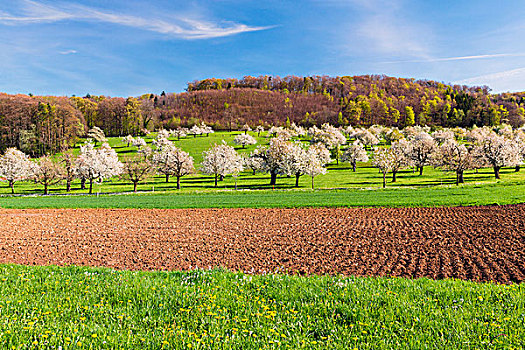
(475, 243)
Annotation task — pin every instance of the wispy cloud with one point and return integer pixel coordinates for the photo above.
(460, 58)
(68, 52)
(508, 80)
(185, 28)
(387, 29)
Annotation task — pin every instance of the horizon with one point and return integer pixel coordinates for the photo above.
(65, 48)
(185, 89)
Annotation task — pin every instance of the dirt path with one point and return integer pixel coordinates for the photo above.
(477, 243)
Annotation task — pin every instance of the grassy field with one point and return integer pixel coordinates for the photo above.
(338, 176)
(487, 194)
(87, 308)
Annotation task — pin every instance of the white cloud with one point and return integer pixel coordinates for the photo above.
(386, 29)
(185, 28)
(460, 58)
(508, 80)
(68, 52)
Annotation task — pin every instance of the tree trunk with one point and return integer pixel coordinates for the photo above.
(460, 179)
(312, 182)
(12, 185)
(253, 171)
(353, 166)
(518, 168)
(68, 185)
(45, 188)
(297, 180)
(167, 178)
(384, 180)
(178, 182)
(496, 171)
(216, 176)
(83, 183)
(394, 173)
(90, 186)
(273, 178)
(134, 186)
(420, 170)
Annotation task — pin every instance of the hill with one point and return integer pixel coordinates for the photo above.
(46, 124)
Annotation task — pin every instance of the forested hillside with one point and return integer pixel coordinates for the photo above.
(39, 125)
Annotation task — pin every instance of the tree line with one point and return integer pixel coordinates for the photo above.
(40, 125)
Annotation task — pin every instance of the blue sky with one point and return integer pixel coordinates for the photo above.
(128, 47)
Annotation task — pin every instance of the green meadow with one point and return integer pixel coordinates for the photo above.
(95, 308)
(339, 187)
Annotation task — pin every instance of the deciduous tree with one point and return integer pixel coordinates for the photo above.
(244, 140)
(172, 161)
(221, 160)
(47, 172)
(355, 153)
(15, 166)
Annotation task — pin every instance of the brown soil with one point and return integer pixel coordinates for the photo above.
(475, 243)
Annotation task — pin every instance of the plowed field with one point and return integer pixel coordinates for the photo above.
(475, 243)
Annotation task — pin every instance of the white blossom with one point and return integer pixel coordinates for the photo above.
(400, 156)
(206, 129)
(328, 135)
(383, 160)
(221, 160)
(259, 129)
(443, 135)
(127, 140)
(179, 132)
(138, 142)
(163, 134)
(15, 166)
(355, 153)
(172, 161)
(244, 140)
(454, 157)
(96, 134)
(423, 145)
(366, 138)
(497, 151)
(273, 157)
(195, 130)
(97, 164)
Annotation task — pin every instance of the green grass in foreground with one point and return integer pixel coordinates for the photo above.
(88, 308)
(501, 193)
